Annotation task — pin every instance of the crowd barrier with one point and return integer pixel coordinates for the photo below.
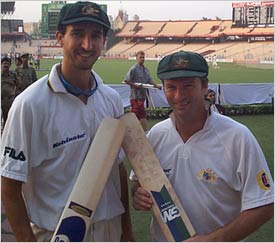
(227, 94)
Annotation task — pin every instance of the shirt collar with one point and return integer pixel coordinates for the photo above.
(207, 124)
(56, 85)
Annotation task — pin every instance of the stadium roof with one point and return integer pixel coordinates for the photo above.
(190, 29)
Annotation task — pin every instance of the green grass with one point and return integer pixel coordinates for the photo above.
(234, 73)
(262, 126)
(114, 71)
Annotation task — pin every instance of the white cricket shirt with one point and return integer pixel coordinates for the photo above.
(45, 141)
(219, 172)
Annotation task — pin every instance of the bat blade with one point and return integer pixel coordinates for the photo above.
(145, 86)
(81, 205)
(167, 208)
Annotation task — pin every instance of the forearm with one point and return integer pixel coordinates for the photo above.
(15, 210)
(246, 223)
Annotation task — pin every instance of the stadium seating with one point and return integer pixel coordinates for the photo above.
(119, 48)
(205, 29)
(135, 48)
(176, 28)
(129, 29)
(246, 51)
(161, 49)
(208, 37)
(158, 38)
(148, 28)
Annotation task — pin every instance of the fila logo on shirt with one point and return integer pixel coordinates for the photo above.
(13, 154)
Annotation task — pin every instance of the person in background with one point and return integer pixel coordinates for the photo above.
(31, 60)
(211, 96)
(25, 73)
(214, 61)
(138, 73)
(58, 117)
(18, 63)
(214, 163)
(9, 86)
(37, 62)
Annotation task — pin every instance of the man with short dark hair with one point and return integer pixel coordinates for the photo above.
(211, 96)
(214, 163)
(68, 103)
(138, 73)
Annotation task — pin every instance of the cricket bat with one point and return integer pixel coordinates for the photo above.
(146, 86)
(167, 208)
(81, 205)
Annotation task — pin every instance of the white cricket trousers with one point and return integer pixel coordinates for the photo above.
(102, 231)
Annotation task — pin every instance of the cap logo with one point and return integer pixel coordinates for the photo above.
(181, 63)
(89, 10)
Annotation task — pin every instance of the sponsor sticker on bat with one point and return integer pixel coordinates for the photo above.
(80, 209)
(170, 214)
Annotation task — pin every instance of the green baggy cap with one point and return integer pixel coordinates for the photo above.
(83, 12)
(182, 64)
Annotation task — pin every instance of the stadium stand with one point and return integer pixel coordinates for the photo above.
(129, 29)
(148, 29)
(208, 37)
(121, 47)
(204, 29)
(12, 30)
(135, 48)
(244, 51)
(161, 49)
(176, 28)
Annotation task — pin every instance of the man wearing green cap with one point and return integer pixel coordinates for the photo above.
(48, 133)
(215, 164)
